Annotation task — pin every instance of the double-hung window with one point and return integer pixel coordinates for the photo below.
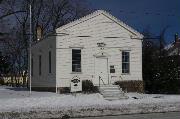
(76, 60)
(125, 62)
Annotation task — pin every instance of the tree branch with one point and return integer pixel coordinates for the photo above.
(11, 13)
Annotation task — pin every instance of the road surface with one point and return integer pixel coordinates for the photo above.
(168, 115)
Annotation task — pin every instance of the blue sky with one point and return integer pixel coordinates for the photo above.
(141, 14)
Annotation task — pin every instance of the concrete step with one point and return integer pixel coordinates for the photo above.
(115, 98)
(109, 87)
(112, 92)
(111, 98)
(113, 95)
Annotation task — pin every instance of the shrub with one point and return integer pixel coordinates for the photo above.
(131, 86)
(64, 90)
(1, 81)
(88, 87)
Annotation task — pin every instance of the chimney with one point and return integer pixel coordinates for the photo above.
(176, 38)
(39, 32)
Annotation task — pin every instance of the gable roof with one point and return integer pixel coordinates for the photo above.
(97, 13)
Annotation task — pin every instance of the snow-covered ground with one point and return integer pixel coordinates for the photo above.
(18, 100)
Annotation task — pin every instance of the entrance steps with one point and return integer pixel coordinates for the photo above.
(112, 92)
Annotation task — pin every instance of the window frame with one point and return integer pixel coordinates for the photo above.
(80, 64)
(125, 69)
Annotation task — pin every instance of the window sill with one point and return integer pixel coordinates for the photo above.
(125, 74)
(113, 76)
(76, 73)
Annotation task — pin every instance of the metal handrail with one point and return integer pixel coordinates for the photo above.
(100, 81)
(121, 77)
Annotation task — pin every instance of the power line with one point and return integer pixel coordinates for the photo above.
(148, 13)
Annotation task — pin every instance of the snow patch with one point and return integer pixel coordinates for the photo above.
(13, 101)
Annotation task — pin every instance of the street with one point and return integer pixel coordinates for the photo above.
(168, 115)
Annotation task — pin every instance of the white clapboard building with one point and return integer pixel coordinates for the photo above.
(97, 47)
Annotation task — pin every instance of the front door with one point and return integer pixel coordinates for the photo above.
(101, 71)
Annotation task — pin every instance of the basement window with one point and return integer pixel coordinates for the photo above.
(125, 62)
(76, 60)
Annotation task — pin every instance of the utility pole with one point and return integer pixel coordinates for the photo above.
(178, 62)
(30, 39)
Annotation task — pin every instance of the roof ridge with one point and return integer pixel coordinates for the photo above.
(88, 15)
(105, 13)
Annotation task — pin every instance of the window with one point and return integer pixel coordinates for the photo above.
(32, 65)
(125, 62)
(76, 60)
(49, 61)
(112, 70)
(39, 64)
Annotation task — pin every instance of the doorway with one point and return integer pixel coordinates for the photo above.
(101, 70)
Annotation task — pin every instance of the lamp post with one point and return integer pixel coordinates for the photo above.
(30, 37)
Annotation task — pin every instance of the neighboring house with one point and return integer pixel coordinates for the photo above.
(173, 51)
(173, 48)
(92, 47)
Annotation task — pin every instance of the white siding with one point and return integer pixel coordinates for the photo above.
(97, 29)
(42, 48)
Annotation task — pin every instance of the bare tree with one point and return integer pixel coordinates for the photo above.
(48, 14)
